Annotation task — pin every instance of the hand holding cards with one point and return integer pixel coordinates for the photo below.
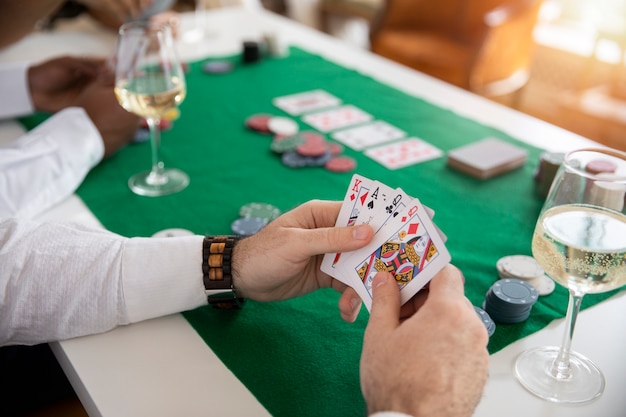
(406, 243)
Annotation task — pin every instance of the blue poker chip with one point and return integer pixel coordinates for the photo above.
(218, 67)
(247, 226)
(141, 135)
(490, 325)
(510, 300)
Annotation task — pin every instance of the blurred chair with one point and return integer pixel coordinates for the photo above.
(484, 46)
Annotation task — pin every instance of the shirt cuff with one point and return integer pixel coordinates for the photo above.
(162, 276)
(14, 84)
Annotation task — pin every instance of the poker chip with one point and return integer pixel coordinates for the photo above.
(173, 233)
(340, 164)
(259, 122)
(141, 135)
(217, 67)
(490, 325)
(293, 159)
(283, 126)
(335, 148)
(260, 210)
(519, 266)
(510, 300)
(544, 285)
(286, 143)
(600, 166)
(247, 226)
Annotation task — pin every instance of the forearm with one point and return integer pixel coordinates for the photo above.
(59, 281)
(46, 165)
(19, 18)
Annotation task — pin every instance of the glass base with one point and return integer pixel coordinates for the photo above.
(152, 185)
(533, 370)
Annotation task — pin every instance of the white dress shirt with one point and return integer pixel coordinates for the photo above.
(47, 164)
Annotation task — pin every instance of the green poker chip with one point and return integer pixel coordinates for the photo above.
(287, 144)
(259, 210)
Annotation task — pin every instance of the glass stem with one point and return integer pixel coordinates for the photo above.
(156, 176)
(561, 367)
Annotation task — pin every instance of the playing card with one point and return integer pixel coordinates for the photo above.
(487, 158)
(395, 203)
(404, 153)
(408, 246)
(297, 104)
(361, 137)
(333, 119)
(374, 201)
(353, 203)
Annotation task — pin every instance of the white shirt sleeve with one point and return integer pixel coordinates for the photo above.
(60, 280)
(16, 100)
(47, 164)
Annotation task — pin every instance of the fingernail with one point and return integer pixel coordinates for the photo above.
(354, 303)
(380, 279)
(360, 232)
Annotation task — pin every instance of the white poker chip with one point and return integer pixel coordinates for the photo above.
(520, 267)
(544, 284)
(173, 233)
(283, 126)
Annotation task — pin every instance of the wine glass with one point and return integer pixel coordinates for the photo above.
(580, 240)
(149, 82)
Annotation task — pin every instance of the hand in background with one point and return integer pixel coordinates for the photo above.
(57, 83)
(432, 363)
(116, 125)
(283, 260)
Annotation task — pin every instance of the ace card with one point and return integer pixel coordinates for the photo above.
(344, 116)
(365, 136)
(402, 154)
(308, 101)
(408, 246)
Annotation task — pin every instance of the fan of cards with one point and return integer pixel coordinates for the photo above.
(406, 242)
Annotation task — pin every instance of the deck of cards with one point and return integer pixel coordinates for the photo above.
(406, 241)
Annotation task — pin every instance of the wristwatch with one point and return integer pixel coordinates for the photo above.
(216, 270)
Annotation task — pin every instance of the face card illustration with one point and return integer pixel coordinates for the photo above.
(372, 134)
(297, 104)
(408, 246)
(344, 116)
(353, 203)
(402, 154)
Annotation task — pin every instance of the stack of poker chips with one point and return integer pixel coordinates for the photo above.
(300, 149)
(253, 218)
(549, 163)
(510, 301)
(525, 268)
(490, 325)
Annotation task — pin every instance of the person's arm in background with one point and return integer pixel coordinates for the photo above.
(46, 165)
(19, 18)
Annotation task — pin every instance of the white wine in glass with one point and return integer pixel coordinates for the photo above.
(580, 240)
(149, 82)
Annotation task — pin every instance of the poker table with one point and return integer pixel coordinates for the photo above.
(281, 358)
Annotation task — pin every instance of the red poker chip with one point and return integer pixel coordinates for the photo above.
(340, 164)
(599, 166)
(259, 122)
(312, 149)
(313, 137)
(335, 148)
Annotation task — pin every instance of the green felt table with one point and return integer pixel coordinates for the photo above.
(298, 357)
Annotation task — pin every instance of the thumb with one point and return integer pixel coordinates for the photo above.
(385, 302)
(338, 239)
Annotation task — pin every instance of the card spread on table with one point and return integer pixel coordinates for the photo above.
(406, 241)
(487, 158)
(308, 101)
(371, 134)
(404, 153)
(333, 119)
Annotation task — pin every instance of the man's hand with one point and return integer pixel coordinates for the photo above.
(432, 363)
(283, 260)
(57, 83)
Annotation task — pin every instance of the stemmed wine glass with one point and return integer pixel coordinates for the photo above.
(149, 81)
(580, 240)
